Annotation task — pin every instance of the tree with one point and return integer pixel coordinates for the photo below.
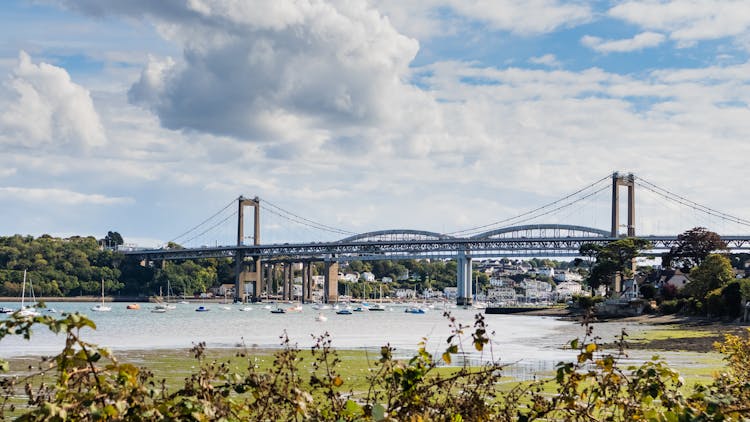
(713, 273)
(613, 258)
(693, 246)
(113, 239)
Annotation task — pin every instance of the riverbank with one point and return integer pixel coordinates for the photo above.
(673, 333)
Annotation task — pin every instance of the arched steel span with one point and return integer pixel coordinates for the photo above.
(543, 230)
(396, 234)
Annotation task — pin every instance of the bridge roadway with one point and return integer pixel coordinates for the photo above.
(414, 249)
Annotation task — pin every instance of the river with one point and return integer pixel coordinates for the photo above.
(534, 342)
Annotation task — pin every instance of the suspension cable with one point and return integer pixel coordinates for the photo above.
(691, 204)
(205, 221)
(302, 220)
(475, 229)
(554, 209)
(212, 227)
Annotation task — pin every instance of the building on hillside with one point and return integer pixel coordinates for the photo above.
(450, 293)
(386, 280)
(502, 295)
(567, 289)
(226, 289)
(562, 276)
(405, 294)
(546, 271)
(675, 278)
(367, 276)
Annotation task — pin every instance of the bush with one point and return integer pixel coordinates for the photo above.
(586, 302)
(89, 384)
(669, 307)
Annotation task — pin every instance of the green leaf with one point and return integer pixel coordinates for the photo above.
(447, 358)
(378, 412)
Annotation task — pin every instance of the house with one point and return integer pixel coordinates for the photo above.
(367, 276)
(546, 271)
(386, 280)
(450, 293)
(405, 294)
(567, 289)
(567, 276)
(504, 295)
(226, 289)
(676, 278)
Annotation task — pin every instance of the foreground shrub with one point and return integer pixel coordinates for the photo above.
(85, 382)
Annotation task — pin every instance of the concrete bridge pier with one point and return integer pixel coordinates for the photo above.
(463, 276)
(309, 281)
(331, 285)
(306, 285)
(286, 270)
(268, 285)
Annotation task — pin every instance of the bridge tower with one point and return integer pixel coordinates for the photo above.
(617, 181)
(242, 273)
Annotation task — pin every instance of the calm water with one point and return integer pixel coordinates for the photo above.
(525, 340)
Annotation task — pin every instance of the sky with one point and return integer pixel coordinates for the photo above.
(149, 118)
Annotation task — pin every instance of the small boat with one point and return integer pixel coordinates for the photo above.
(201, 309)
(184, 302)
(26, 311)
(414, 310)
(297, 308)
(344, 312)
(51, 310)
(246, 309)
(226, 308)
(133, 307)
(278, 311)
(4, 310)
(377, 307)
(101, 307)
(159, 310)
(358, 309)
(321, 306)
(321, 318)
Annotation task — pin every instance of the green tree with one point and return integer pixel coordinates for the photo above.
(713, 273)
(612, 258)
(693, 246)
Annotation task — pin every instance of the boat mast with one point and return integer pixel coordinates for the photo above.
(23, 289)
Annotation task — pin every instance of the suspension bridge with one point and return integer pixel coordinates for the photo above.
(514, 237)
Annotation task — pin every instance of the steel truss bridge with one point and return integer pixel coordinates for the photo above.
(519, 241)
(539, 240)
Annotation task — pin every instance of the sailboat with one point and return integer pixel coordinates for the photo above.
(378, 306)
(26, 311)
(100, 307)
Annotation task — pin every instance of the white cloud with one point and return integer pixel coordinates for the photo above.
(58, 196)
(548, 60)
(42, 107)
(425, 19)
(638, 42)
(688, 20)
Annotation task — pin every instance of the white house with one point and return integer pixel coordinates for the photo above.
(678, 280)
(367, 276)
(405, 293)
(567, 276)
(506, 295)
(546, 271)
(567, 289)
(386, 280)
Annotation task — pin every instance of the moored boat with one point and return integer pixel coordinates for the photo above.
(133, 307)
(201, 309)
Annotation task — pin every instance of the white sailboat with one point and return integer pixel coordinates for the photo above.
(101, 307)
(378, 306)
(26, 311)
